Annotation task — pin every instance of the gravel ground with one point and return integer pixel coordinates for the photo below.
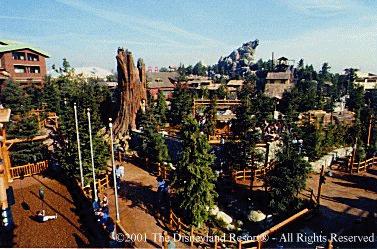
(65, 231)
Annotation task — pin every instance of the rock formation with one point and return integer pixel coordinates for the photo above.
(133, 94)
(238, 63)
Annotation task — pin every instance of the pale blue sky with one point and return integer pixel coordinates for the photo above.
(88, 33)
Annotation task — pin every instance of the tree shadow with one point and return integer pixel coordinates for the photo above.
(363, 181)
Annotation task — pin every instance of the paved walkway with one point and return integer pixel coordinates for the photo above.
(66, 231)
(138, 205)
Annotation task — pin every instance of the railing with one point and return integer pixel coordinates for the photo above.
(362, 166)
(176, 223)
(102, 184)
(162, 171)
(28, 169)
(258, 173)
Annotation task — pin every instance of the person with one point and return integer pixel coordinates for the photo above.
(42, 217)
(161, 185)
(119, 173)
(105, 201)
(110, 228)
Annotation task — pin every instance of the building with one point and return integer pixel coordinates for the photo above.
(277, 83)
(367, 80)
(22, 63)
(161, 81)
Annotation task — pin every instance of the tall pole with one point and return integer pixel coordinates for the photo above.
(113, 164)
(92, 157)
(369, 129)
(78, 146)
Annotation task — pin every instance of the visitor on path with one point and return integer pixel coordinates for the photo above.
(162, 190)
(42, 217)
(105, 201)
(119, 174)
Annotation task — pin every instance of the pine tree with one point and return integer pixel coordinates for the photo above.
(287, 179)
(194, 179)
(161, 109)
(181, 105)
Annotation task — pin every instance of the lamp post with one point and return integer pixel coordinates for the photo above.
(92, 156)
(78, 145)
(113, 164)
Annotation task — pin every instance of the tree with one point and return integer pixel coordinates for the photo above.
(210, 115)
(287, 179)
(181, 104)
(161, 109)
(194, 179)
(199, 69)
(163, 70)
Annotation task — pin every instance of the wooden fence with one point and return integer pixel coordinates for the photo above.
(163, 171)
(258, 173)
(28, 169)
(102, 184)
(176, 224)
(362, 166)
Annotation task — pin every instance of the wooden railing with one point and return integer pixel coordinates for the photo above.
(28, 169)
(163, 171)
(102, 184)
(362, 166)
(258, 173)
(176, 224)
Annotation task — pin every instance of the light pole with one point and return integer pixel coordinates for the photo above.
(113, 164)
(92, 157)
(78, 145)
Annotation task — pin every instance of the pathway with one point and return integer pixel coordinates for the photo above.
(138, 205)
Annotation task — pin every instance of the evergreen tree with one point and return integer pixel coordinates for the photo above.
(287, 179)
(210, 115)
(181, 105)
(161, 109)
(194, 179)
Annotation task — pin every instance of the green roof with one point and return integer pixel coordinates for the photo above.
(7, 45)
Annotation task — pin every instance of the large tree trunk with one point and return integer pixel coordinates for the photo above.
(132, 85)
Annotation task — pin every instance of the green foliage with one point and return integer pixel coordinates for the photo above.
(13, 97)
(194, 179)
(199, 69)
(163, 69)
(287, 179)
(210, 115)
(222, 92)
(161, 109)
(181, 105)
(314, 140)
(69, 89)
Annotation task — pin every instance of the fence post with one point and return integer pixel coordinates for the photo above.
(244, 174)
(192, 236)
(179, 225)
(259, 246)
(171, 217)
(165, 242)
(239, 244)
(358, 166)
(215, 246)
(329, 244)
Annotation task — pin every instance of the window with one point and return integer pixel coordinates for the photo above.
(19, 69)
(35, 70)
(32, 57)
(18, 56)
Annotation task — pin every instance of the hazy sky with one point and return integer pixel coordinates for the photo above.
(88, 33)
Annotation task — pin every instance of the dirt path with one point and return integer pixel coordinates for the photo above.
(138, 205)
(66, 231)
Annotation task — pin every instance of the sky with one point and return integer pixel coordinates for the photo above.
(88, 33)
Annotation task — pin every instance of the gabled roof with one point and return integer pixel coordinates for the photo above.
(235, 83)
(161, 79)
(278, 75)
(7, 46)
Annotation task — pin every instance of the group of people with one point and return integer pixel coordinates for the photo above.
(101, 211)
